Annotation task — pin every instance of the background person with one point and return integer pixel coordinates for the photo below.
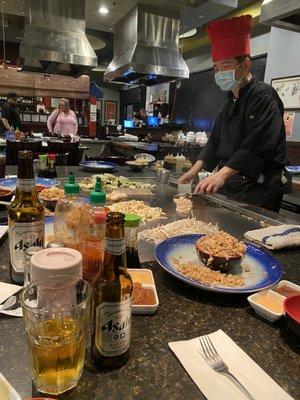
(10, 116)
(63, 121)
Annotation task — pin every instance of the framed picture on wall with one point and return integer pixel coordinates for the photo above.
(110, 110)
(288, 89)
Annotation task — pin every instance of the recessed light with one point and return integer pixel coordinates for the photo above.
(103, 10)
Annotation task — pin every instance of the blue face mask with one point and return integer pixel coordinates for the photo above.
(226, 79)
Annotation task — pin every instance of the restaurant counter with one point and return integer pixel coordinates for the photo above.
(153, 372)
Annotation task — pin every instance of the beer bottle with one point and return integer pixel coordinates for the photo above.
(112, 291)
(26, 226)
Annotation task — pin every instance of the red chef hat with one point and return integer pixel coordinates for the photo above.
(230, 37)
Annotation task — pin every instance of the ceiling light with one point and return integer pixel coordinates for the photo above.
(187, 34)
(103, 10)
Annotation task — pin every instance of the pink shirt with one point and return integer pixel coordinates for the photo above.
(63, 123)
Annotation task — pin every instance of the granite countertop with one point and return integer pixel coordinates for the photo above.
(153, 372)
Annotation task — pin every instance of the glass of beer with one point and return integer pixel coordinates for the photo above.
(56, 316)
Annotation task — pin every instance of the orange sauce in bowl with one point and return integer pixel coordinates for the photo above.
(271, 302)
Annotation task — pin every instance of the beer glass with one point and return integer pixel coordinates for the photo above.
(56, 316)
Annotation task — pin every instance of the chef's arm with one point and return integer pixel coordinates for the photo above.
(215, 181)
(263, 128)
(207, 158)
(5, 123)
(191, 174)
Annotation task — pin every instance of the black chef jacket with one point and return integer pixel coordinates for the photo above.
(11, 114)
(249, 136)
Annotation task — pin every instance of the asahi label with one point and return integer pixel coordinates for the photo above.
(21, 236)
(115, 246)
(26, 184)
(113, 326)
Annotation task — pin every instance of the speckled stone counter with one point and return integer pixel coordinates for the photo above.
(153, 372)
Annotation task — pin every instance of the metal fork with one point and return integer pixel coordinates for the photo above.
(213, 359)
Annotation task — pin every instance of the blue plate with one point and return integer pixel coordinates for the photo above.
(293, 169)
(98, 166)
(262, 269)
(10, 183)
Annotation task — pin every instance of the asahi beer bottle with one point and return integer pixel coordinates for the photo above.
(25, 217)
(112, 291)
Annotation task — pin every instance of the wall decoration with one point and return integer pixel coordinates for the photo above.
(110, 110)
(288, 89)
(289, 118)
(54, 102)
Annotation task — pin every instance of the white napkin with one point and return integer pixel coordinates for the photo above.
(276, 237)
(7, 392)
(7, 290)
(215, 386)
(3, 230)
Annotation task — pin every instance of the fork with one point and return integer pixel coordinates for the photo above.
(213, 359)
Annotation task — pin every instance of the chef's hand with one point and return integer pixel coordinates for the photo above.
(214, 182)
(190, 175)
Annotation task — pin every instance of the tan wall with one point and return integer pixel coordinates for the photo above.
(26, 84)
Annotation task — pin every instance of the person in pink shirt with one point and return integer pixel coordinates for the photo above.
(63, 121)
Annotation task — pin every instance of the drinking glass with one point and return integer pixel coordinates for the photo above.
(55, 316)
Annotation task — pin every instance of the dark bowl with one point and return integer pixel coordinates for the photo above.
(136, 167)
(218, 263)
(291, 308)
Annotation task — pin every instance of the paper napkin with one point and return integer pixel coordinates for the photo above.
(216, 386)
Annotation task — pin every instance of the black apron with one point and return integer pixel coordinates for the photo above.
(267, 192)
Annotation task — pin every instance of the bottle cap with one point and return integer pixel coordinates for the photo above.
(71, 187)
(132, 220)
(43, 157)
(97, 196)
(55, 262)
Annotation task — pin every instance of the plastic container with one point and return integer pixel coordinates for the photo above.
(67, 214)
(57, 272)
(91, 233)
(131, 233)
(55, 262)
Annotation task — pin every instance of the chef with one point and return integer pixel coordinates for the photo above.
(247, 143)
(10, 116)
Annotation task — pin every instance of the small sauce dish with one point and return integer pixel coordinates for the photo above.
(286, 288)
(267, 304)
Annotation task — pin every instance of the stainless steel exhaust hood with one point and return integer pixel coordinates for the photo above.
(281, 13)
(55, 40)
(146, 48)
